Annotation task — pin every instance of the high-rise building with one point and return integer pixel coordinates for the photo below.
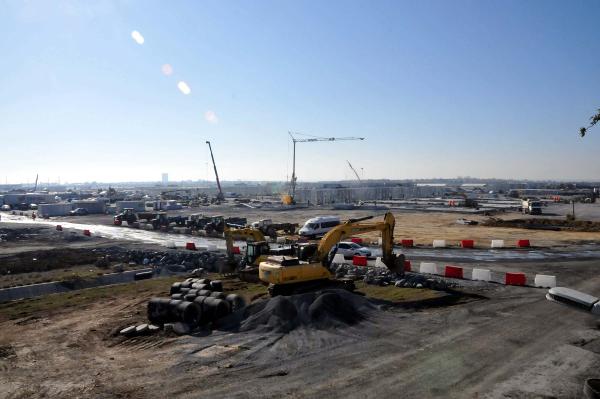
(165, 179)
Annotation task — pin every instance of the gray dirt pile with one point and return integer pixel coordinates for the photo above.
(323, 310)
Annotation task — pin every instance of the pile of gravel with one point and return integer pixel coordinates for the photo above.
(172, 260)
(383, 277)
(324, 310)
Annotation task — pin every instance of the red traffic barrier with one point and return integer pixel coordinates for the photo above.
(453, 272)
(358, 260)
(190, 246)
(467, 243)
(515, 279)
(86, 232)
(407, 266)
(117, 222)
(235, 250)
(407, 243)
(58, 227)
(356, 240)
(523, 244)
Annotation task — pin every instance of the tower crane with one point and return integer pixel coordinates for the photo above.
(354, 170)
(308, 139)
(220, 196)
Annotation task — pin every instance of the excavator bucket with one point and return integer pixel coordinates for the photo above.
(395, 264)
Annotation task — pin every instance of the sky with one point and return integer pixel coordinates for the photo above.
(126, 90)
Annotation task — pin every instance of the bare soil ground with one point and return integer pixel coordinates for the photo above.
(421, 227)
(499, 342)
(512, 344)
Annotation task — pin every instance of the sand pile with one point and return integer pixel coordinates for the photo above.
(323, 310)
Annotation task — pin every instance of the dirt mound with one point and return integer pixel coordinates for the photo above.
(322, 310)
(545, 224)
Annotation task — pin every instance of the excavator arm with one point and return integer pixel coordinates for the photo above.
(245, 233)
(354, 227)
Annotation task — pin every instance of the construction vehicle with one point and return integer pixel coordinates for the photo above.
(257, 251)
(310, 270)
(531, 206)
(269, 228)
(210, 224)
(128, 215)
(220, 196)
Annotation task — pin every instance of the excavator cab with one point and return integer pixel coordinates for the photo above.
(254, 250)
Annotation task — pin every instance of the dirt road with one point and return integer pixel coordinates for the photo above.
(514, 343)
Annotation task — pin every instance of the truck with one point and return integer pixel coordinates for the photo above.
(531, 206)
(269, 228)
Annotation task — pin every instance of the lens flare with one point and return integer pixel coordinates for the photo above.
(211, 117)
(167, 69)
(184, 88)
(137, 36)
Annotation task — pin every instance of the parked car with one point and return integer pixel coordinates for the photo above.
(349, 249)
(5, 208)
(319, 226)
(79, 212)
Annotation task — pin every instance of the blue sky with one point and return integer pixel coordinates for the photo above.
(437, 88)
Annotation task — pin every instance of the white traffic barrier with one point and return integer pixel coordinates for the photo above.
(170, 244)
(202, 247)
(497, 244)
(481, 274)
(426, 267)
(545, 281)
(280, 240)
(339, 259)
(379, 241)
(379, 262)
(439, 243)
(211, 247)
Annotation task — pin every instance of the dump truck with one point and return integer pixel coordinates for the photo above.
(268, 227)
(310, 270)
(531, 206)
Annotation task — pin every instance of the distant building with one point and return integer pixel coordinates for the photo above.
(165, 179)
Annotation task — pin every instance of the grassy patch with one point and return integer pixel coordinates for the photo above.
(397, 295)
(42, 306)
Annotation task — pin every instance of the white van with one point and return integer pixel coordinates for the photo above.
(319, 225)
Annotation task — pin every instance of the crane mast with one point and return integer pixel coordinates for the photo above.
(220, 196)
(354, 170)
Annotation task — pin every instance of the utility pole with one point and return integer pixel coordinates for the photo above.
(310, 139)
(220, 196)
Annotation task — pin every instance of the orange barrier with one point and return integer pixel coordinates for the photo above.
(86, 232)
(407, 266)
(190, 246)
(358, 260)
(467, 243)
(407, 243)
(356, 240)
(523, 244)
(453, 272)
(515, 279)
(235, 250)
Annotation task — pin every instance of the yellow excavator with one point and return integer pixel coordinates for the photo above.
(310, 270)
(257, 251)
